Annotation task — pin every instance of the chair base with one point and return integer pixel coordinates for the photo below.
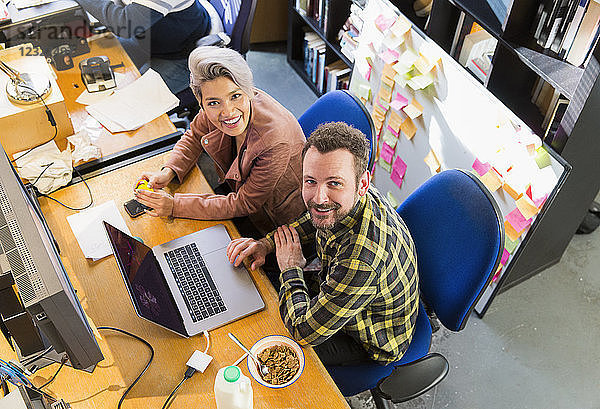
(380, 401)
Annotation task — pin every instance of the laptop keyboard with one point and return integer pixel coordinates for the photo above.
(195, 283)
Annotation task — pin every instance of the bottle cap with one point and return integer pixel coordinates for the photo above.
(232, 373)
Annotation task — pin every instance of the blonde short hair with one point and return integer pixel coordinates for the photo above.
(208, 63)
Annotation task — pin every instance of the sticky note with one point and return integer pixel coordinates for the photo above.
(526, 206)
(390, 139)
(510, 232)
(383, 23)
(430, 52)
(420, 81)
(399, 167)
(423, 65)
(388, 71)
(517, 220)
(389, 57)
(393, 41)
(400, 26)
(408, 57)
(399, 102)
(481, 167)
(363, 91)
(432, 161)
(497, 274)
(395, 119)
(383, 103)
(385, 165)
(510, 245)
(542, 157)
(402, 68)
(393, 201)
(508, 188)
(540, 202)
(491, 180)
(387, 153)
(396, 178)
(413, 110)
(505, 256)
(408, 128)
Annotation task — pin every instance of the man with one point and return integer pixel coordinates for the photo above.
(362, 304)
(157, 34)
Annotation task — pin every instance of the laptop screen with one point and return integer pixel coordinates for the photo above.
(145, 280)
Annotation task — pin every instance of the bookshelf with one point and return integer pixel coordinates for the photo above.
(518, 61)
(333, 14)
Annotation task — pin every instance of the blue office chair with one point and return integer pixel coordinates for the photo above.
(342, 106)
(231, 27)
(458, 233)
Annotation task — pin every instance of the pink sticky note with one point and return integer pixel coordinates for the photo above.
(368, 74)
(399, 167)
(399, 102)
(504, 258)
(517, 221)
(394, 53)
(388, 57)
(539, 202)
(396, 178)
(392, 130)
(387, 153)
(383, 23)
(481, 168)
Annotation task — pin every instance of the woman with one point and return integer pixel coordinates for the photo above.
(255, 142)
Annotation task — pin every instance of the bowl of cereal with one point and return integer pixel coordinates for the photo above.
(284, 358)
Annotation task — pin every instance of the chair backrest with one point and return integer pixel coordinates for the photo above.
(458, 233)
(237, 17)
(341, 106)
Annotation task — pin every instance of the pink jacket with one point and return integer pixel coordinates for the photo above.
(266, 181)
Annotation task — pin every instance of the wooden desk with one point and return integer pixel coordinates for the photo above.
(71, 86)
(104, 298)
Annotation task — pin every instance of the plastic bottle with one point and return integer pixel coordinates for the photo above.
(233, 389)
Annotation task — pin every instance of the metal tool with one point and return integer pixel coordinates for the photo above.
(264, 370)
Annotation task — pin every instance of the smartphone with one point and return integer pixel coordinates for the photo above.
(135, 208)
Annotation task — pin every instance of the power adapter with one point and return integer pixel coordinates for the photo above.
(199, 361)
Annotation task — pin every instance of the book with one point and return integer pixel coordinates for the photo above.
(573, 27)
(557, 114)
(562, 30)
(586, 34)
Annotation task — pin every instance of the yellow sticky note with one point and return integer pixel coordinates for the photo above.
(432, 161)
(388, 71)
(389, 138)
(511, 191)
(400, 26)
(413, 110)
(510, 232)
(420, 81)
(423, 65)
(491, 180)
(385, 165)
(408, 128)
(364, 91)
(526, 206)
(430, 52)
(393, 201)
(542, 158)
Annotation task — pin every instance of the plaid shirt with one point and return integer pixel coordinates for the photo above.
(367, 286)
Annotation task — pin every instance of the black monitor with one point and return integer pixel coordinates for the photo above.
(29, 251)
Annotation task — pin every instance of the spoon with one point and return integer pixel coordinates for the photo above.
(264, 370)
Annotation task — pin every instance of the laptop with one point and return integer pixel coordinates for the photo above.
(186, 285)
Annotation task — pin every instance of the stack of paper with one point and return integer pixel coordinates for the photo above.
(135, 105)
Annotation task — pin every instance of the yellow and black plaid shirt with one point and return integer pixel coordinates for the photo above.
(367, 286)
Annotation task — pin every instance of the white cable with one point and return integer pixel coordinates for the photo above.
(205, 333)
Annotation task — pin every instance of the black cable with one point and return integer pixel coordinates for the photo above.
(143, 370)
(4, 387)
(62, 363)
(74, 208)
(36, 357)
(43, 171)
(188, 374)
(50, 119)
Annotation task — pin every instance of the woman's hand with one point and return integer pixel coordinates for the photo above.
(160, 179)
(160, 201)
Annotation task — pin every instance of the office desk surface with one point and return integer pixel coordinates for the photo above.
(106, 301)
(71, 86)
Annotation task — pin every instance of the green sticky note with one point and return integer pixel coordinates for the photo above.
(385, 165)
(390, 138)
(510, 245)
(542, 158)
(393, 201)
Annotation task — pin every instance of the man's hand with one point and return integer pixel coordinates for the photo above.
(160, 201)
(289, 251)
(240, 249)
(160, 179)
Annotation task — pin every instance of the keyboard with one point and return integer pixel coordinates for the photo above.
(199, 291)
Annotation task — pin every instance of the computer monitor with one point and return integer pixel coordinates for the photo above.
(29, 250)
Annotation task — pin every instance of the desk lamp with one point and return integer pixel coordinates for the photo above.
(26, 88)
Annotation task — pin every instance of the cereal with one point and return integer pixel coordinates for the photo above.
(282, 362)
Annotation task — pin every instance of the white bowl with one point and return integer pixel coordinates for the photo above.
(270, 341)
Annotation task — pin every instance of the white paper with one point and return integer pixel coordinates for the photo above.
(89, 231)
(89, 98)
(138, 103)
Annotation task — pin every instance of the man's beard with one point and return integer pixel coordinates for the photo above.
(334, 215)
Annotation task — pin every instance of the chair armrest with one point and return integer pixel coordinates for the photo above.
(218, 39)
(413, 379)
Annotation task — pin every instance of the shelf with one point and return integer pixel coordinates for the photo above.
(298, 66)
(314, 27)
(482, 13)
